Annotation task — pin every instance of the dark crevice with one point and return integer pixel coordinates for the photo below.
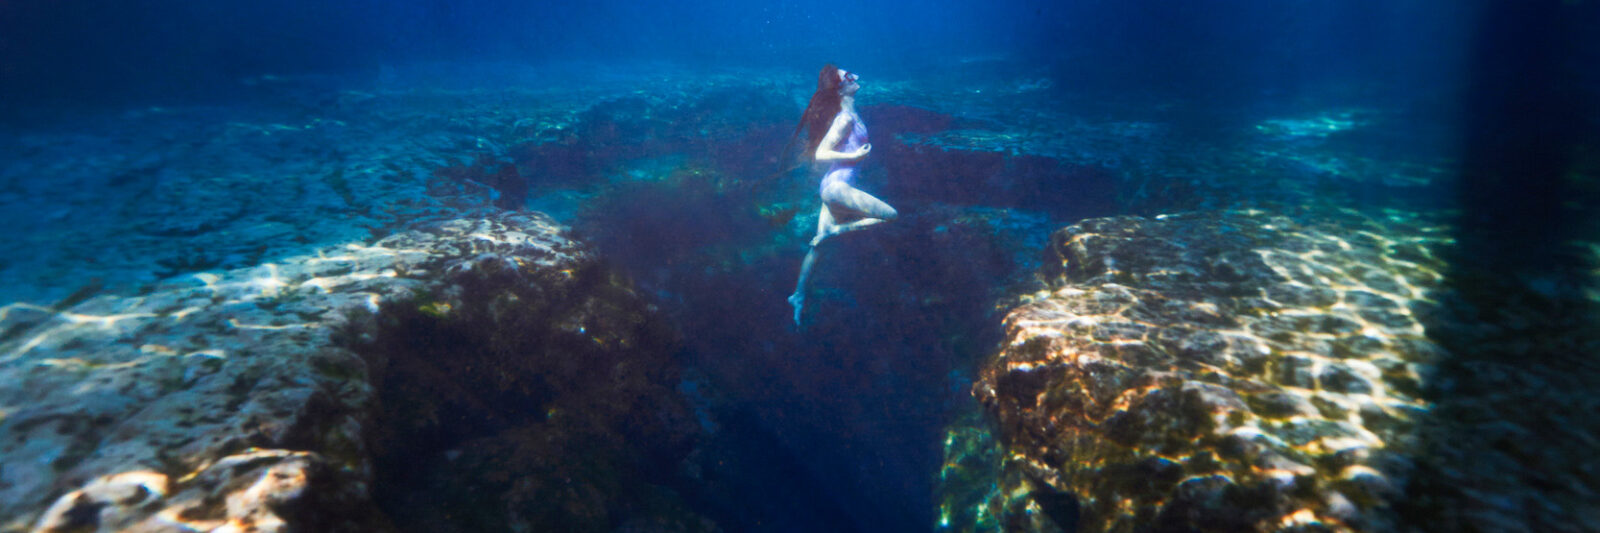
(511, 398)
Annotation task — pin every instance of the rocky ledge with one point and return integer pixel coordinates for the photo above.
(1223, 371)
(253, 399)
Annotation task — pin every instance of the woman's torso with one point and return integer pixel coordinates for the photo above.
(844, 170)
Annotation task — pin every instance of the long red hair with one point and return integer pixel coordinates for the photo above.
(825, 104)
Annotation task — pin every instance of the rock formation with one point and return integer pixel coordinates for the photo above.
(237, 400)
(1228, 371)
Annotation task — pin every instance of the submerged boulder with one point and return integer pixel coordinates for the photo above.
(1228, 371)
(238, 399)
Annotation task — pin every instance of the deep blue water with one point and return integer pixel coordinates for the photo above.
(836, 426)
(1234, 49)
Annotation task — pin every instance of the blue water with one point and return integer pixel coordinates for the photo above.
(1237, 49)
(1071, 110)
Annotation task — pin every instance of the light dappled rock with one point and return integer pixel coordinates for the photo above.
(223, 400)
(1223, 371)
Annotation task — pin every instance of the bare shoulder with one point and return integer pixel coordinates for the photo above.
(842, 120)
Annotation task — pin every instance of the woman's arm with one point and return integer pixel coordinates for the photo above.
(836, 133)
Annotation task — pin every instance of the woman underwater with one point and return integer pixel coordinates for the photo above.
(836, 135)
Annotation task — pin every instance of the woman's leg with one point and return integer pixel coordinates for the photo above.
(824, 224)
(842, 196)
(797, 300)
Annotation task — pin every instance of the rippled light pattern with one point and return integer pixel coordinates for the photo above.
(1226, 371)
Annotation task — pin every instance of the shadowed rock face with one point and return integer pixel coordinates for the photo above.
(524, 396)
(1217, 372)
(233, 399)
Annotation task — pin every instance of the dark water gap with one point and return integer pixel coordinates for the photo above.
(834, 425)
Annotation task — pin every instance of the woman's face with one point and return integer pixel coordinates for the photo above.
(847, 83)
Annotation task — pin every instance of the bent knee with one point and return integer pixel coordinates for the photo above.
(889, 213)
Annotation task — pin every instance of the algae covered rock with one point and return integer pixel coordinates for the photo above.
(524, 396)
(237, 399)
(1224, 371)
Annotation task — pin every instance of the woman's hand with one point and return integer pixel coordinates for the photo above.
(862, 151)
